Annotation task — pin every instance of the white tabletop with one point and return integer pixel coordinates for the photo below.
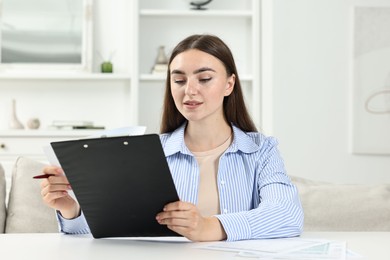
(371, 245)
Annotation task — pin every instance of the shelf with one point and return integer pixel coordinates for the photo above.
(63, 76)
(47, 133)
(187, 13)
(152, 77)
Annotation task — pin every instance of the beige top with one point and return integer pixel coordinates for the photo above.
(208, 198)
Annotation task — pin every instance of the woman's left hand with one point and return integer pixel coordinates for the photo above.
(185, 219)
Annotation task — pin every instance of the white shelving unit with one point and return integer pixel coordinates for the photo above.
(195, 13)
(165, 23)
(80, 76)
(131, 95)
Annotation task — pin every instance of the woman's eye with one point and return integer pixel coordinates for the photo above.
(204, 80)
(179, 81)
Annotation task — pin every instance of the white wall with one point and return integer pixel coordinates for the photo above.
(311, 87)
(311, 94)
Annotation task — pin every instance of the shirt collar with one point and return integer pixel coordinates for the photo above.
(175, 142)
(241, 141)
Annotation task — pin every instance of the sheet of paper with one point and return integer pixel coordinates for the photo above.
(286, 248)
(353, 255)
(131, 130)
(331, 250)
(264, 245)
(154, 239)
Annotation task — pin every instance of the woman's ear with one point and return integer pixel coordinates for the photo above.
(230, 85)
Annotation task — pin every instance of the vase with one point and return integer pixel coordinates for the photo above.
(33, 123)
(106, 67)
(14, 122)
(161, 57)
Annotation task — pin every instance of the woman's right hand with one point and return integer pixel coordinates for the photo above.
(54, 191)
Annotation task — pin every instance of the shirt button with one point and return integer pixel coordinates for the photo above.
(222, 182)
(225, 211)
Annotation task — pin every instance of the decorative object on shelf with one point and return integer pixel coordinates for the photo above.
(14, 122)
(198, 5)
(33, 123)
(161, 64)
(106, 67)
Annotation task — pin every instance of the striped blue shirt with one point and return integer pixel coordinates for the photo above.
(257, 198)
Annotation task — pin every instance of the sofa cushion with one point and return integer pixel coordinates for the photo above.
(344, 207)
(2, 199)
(27, 213)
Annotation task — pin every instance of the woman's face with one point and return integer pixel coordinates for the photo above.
(199, 83)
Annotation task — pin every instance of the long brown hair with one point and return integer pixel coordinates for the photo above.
(234, 108)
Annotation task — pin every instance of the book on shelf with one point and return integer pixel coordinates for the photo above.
(74, 127)
(80, 123)
(160, 69)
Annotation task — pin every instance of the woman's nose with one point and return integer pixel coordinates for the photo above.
(191, 88)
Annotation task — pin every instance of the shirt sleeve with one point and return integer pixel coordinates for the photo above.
(73, 226)
(279, 212)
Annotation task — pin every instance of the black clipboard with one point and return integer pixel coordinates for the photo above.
(121, 183)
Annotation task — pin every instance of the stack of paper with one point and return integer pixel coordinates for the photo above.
(286, 248)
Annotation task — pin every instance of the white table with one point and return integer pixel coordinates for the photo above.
(371, 245)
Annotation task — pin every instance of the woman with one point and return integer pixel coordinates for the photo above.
(230, 179)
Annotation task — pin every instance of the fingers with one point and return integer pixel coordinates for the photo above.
(54, 187)
(182, 218)
(179, 213)
(178, 209)
(172, 218)
(57, 178)
(53, 170)
(53, 196)
(54, 191)
(54, 180)
(179, 222)
(178, 206)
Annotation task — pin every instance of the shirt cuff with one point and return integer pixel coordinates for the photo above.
(73, 226)
(236, 226)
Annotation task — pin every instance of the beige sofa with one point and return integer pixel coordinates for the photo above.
(327, 206)
(344, 207)
(25, 212)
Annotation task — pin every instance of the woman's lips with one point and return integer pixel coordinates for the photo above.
(192, 104)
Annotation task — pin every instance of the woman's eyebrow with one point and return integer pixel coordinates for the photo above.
(203, 69)
(177, 72)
